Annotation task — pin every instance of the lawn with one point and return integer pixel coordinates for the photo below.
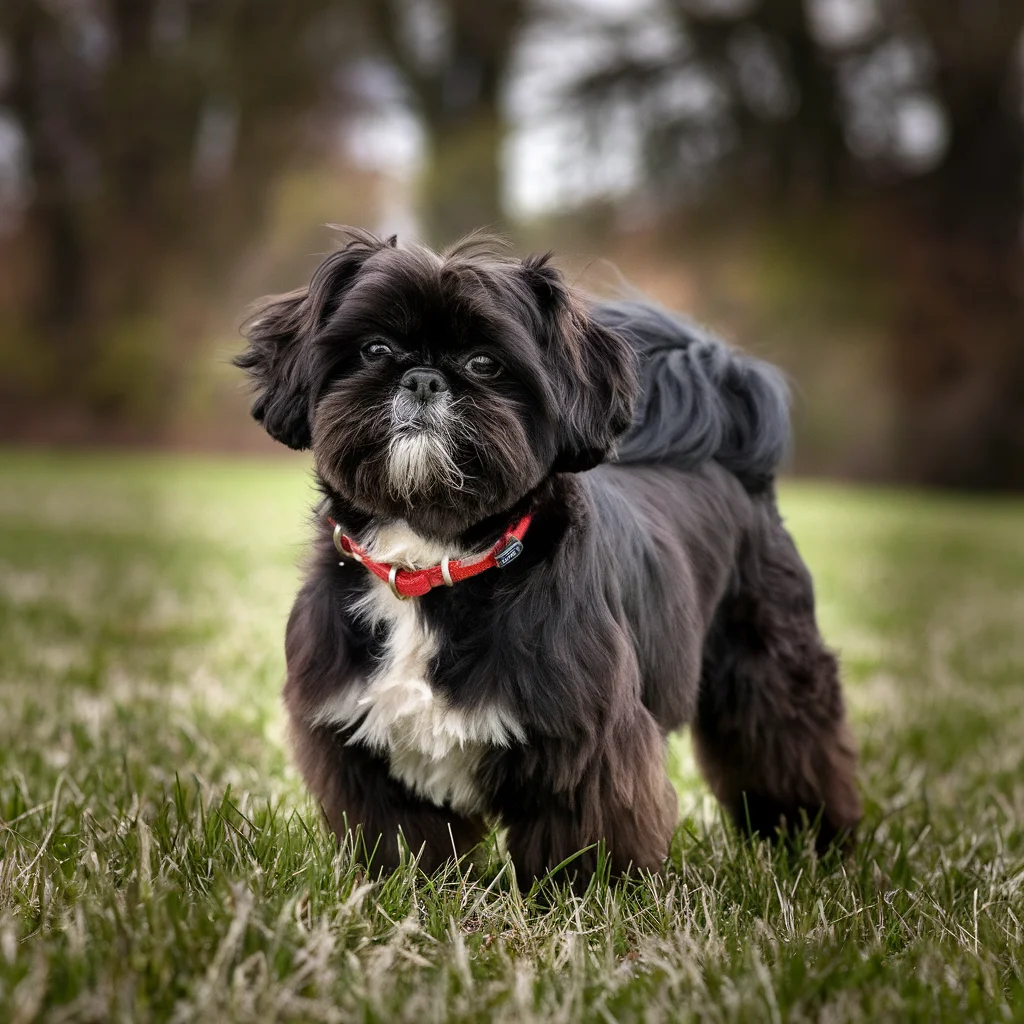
(159, 859)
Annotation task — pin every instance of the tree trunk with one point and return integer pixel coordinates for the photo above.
(461, 107)
(57, 306)
(461, 182)
(958, 341)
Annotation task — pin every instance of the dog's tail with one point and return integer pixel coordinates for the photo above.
(700, 400)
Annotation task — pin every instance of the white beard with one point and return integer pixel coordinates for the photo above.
(420, 463)
(421, 455)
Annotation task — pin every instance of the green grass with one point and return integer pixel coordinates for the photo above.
(159, 859)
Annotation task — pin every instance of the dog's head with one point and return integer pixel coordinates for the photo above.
(438, 388)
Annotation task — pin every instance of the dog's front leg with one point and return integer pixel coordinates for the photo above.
(355, 789)
(560, 805)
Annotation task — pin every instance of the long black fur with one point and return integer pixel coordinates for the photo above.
(699, 400)
(657, 587)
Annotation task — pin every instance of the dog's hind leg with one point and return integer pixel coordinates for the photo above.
(770, 733)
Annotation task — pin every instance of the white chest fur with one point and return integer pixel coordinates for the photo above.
(433, 748)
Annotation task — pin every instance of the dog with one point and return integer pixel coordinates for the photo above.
(548, 538)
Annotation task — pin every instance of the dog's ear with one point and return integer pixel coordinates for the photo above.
(595, 370)
(281, 359)
(278, 362)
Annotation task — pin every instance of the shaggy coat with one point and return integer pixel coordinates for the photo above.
(444, 397)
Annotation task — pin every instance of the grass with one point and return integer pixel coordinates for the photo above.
(160, 861)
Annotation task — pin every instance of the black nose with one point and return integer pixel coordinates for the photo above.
(424, 383)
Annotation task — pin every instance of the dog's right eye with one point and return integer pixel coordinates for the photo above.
(376, 349)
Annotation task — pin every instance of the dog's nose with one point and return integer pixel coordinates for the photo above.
(424, 383)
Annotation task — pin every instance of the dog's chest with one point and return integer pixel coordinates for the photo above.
(431, 746)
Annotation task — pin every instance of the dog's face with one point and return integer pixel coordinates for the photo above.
(437, 389)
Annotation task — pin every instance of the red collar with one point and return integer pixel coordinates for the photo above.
(417, 582)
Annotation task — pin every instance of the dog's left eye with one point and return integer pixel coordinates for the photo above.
(483, 367)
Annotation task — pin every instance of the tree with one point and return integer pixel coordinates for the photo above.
(154, 129)
(958, 344)
(453, 58)
(794, 111)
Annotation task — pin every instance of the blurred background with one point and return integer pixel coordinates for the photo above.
(836, 185)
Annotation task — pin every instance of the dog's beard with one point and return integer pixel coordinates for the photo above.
(441, 467)
(422, 453)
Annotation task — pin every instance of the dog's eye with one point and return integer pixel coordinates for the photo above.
(376, 349)
(483, 367)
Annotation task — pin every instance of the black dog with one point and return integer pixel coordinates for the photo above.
(574, 599)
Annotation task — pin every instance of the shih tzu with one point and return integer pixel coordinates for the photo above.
(548, 538)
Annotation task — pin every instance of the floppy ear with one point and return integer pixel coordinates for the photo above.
(595, 369)
(281, 359)
(278, 364)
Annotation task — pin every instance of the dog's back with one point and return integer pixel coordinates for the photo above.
(769, 727)
(700, 400)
